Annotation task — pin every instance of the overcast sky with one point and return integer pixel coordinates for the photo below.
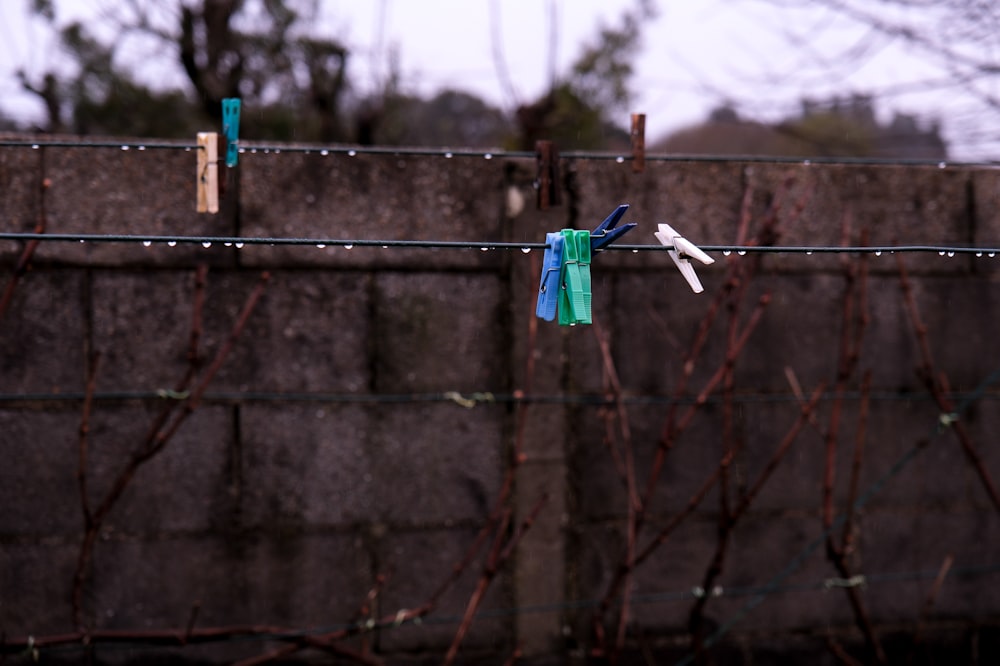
(694, 54)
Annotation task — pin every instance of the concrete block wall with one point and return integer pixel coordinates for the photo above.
(327, 452)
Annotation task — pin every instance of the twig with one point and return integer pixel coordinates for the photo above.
(24, 261)
(938, 387)
(497, 557)
(157, 442)
(932, 594)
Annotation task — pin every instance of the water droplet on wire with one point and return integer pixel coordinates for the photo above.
(142, 147)
(239, 245)
(992, 254)
(124, 147)
(147, 243)
(619, 159)
(324, 152)
(941, 165)
(34, 146)
(742, 253)
(206, 244)
(878, 253)
(348, 246)
(352, 153)
(321, 245)
(448, 155)
(726, 253)
(979, 254)
(228, 244)
(171, 243)
(809, 253)
(488, 156)
(941, 253)
(951, 254)
(526, 250)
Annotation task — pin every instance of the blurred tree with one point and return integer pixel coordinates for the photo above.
(296, 84)
(836, 128)
(579, 110)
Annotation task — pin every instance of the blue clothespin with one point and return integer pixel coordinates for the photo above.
(605, 234)
(231, 128)
(575, 294)
(548, 288)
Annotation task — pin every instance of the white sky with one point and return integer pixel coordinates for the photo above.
(694, 54)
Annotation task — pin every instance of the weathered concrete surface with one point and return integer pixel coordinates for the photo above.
(356, 439)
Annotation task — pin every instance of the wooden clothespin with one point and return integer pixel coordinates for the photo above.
(547, 156)
(638, 142)
(208, 172)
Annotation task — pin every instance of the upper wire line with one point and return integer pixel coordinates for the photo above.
(254, 148)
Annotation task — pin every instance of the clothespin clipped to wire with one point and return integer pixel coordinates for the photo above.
(231, 129)
(575, 295)
(207, 183)
(638, 136)
(605, 234)
(683, 250)
(551, 282)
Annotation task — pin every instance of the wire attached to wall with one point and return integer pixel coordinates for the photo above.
(484, 245)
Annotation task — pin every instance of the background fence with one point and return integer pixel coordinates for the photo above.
(215, 452)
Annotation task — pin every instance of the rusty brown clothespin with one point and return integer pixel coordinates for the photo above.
(547, 156)
(638, 142)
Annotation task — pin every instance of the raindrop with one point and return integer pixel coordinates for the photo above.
(726, 253)
(239, 245)
(742, 253)
(124, 147)
(321, 245)
(277, 150)
(352, 153)
(941, 165)
(806, 162)
(34, 146)
(253, 151)
(447, 156)
(206, 244)
(82, 241)
(809, 252)
(979, 254)
(242, 151)
(142, 147)
(485, 249)
(951, 254)
(992, 254)
(619, 159)
(228, 244)
(941, 253)
(171, 243)
(324, 152)
(267, 151)
(878, 253)
(488, 156)
(147, 243)
(187, 149)
(348, 246)
(635, 251)
(385, 247)
(526, 250)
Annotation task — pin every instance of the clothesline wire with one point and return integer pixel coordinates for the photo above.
(250, 147)
(241, 241)
(465, 399)
(825, 585)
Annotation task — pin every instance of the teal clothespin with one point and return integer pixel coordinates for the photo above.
(231, 128)
(575, 295)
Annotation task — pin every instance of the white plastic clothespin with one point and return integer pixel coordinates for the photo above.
(682, 250)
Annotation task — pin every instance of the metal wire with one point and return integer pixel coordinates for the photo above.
(242, 241)
(253, 148)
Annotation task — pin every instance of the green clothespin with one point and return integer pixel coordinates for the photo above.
(575, 294)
